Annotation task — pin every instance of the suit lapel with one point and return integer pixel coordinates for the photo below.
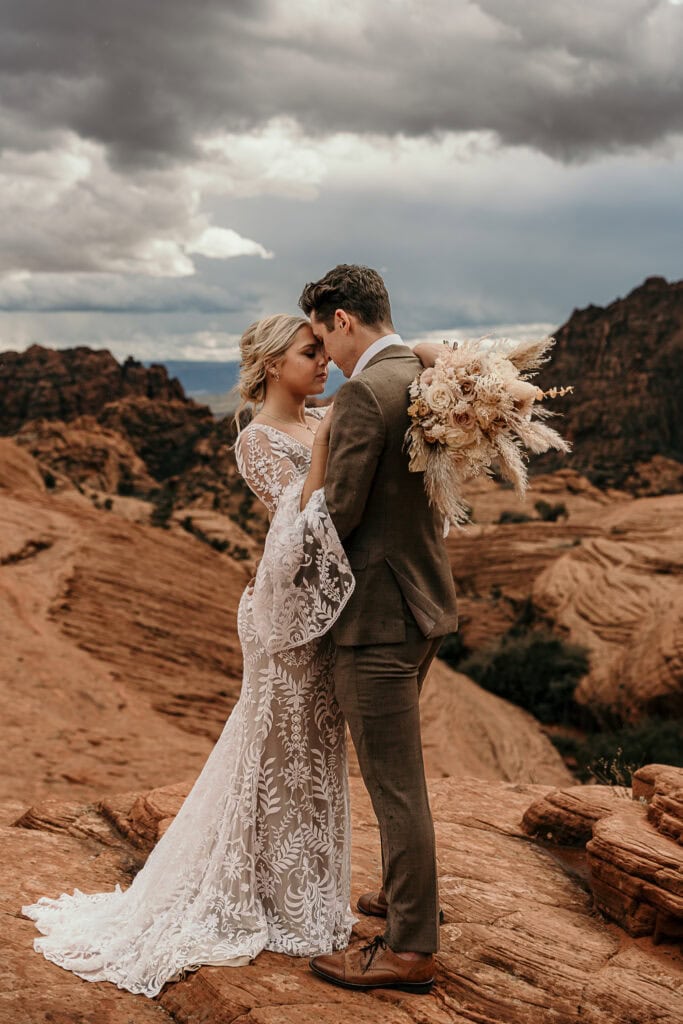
(391, 352)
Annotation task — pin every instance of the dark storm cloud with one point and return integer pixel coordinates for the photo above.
(111, 293)
(566, 77)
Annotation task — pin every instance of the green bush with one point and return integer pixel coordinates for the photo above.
(536, 670)
(551, 513)
(126, 484)
(612, 757)
(453, 649)
(511, 516)
(162, 507)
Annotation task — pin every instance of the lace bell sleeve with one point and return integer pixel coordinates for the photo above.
(304, 580)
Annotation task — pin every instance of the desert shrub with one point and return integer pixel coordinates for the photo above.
(512, 516)
(108, 504)
(612, 757)
(536, 670)
(162, 507)
(453, 649)
(126, 483)
(236, 551)
(49, 479)
(566, 745)
(551, 513)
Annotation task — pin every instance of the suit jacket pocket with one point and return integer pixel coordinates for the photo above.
(425, 612)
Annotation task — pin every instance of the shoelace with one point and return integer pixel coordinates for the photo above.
(371, 949)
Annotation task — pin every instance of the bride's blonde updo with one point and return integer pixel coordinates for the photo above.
(261, 345)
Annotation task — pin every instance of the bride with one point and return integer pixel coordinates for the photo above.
(258, 855)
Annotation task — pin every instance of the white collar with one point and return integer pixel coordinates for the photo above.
(377, 346)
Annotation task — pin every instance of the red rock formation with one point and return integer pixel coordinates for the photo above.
(63, 384)
(163, 432)
(468, 731)
(120, 659)
(521, 943)
(118, 664)
(619, 594)
(495, 565)
(633, 856)
(567, 816)
(88, 454)
(626, 364)
(139, 431)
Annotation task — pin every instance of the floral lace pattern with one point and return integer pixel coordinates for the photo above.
(258, 855)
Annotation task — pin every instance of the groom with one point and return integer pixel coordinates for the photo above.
(389, 632)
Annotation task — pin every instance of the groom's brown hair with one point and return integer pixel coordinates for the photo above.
(358, 290)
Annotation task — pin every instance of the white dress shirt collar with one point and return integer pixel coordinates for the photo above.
(377, 346)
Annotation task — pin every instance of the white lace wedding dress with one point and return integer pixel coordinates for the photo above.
(258, 856)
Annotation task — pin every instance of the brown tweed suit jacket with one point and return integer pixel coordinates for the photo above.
(392, 536)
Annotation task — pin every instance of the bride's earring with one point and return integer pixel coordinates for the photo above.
(275, 374)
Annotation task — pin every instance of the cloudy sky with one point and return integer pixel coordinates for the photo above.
(169, 171)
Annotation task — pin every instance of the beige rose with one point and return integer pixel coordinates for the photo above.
(439, 397)
(455, 438)
(464, 419)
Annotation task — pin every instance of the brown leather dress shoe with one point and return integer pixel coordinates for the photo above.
(375, 966)
(374, 904)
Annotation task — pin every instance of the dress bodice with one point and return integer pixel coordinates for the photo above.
(269, 459)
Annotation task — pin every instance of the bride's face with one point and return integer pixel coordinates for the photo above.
(303, 370)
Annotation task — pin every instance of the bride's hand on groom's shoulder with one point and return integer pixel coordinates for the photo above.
(428, 351)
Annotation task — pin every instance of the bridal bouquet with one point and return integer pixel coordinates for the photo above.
(472, 411)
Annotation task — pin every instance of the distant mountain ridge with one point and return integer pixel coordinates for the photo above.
(625, 362)
(61, 384)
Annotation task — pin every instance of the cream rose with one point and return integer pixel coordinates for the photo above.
(439, 397)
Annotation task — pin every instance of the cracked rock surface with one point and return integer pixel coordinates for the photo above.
(521, 943)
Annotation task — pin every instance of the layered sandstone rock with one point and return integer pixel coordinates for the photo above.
(495, 565)
(120, 660)
(19, 473)
(637, 874)
(620, 595)
(123, 430)
(662, 787)
(567, 816)
(521, 943)
(468, 731)
(74, 721)
(634, 857)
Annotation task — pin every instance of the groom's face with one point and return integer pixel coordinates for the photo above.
(336, 342)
